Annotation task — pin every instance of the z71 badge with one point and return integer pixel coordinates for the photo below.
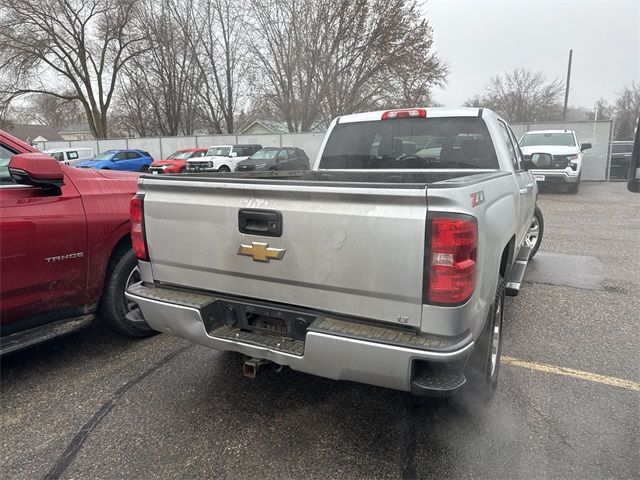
(477, 198)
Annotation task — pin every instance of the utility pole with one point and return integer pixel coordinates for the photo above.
(566, 92)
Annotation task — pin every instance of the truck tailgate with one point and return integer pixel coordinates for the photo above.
(350, 250)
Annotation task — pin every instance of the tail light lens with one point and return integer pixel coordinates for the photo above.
(452, 262)
(137, 228)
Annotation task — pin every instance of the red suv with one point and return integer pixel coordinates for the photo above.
(177, 162)
(65, 247)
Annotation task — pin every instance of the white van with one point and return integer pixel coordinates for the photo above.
(71, 156)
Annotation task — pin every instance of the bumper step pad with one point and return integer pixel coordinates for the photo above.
(437, 383)
(286, 345)
(390, 336)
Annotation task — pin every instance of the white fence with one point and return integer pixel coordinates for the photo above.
(596, 160)
(162, 147)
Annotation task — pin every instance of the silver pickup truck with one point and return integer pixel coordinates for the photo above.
(386, 264)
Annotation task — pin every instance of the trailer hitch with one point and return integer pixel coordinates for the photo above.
(252, 365)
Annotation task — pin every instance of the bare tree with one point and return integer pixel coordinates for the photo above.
(69, 49)
(520, 95)
(627, 111)
(323, 58)
(602, 110)
(53, 111)
(383, 57)
(288, 36)
(164, 74)
(223, 61)
(132, 114)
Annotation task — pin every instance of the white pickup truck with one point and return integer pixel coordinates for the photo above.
(562, 164)
(386, 264)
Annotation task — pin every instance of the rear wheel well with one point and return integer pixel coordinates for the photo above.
(120, 248)
(507, 257)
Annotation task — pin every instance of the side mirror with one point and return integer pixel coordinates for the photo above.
(36, 169)
(585, 146)
(633, 184)
(233, 154)
(541, 160)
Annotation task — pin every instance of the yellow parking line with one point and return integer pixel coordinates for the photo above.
(570, 372)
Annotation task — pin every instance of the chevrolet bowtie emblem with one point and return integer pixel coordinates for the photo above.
(261, 252)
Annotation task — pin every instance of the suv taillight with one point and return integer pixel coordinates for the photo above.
(137, 228)
(452, 261)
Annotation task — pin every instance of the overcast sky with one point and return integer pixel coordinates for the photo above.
(480, 39)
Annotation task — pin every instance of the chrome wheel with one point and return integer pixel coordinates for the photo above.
(495, 338)
(134, 277)
(533, 235)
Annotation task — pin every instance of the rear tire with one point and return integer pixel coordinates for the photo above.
(483, 367)
(122, 271)
(144, 169)
(536, 230)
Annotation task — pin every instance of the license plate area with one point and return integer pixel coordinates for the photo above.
(267, 324)
(281, 323)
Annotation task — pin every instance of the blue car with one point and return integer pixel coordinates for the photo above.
(129, 160)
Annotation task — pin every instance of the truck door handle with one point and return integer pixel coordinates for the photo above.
(260, 222)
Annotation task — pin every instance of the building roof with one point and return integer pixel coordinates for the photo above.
(29, 133)
(274, 126)
(77, 127)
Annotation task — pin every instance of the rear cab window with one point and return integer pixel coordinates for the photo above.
(511, 145)
(413, 143)
(564, 139)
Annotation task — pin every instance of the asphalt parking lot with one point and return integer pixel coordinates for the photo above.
(95, 405)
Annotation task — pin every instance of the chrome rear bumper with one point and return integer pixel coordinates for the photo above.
(340, 356)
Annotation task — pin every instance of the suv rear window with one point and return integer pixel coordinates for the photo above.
(416, 143)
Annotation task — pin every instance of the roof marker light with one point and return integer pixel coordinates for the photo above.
(405, 113)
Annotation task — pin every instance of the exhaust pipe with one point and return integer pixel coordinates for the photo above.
(252, 365)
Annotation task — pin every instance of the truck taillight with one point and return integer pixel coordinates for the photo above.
(452, 261)
(405, 113)
(137, 228)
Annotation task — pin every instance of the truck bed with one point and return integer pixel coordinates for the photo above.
(352, 241)
(368, 178)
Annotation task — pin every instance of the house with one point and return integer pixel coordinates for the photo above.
(266, 126)
(33, 133)
(77, 131)
(274, 126)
